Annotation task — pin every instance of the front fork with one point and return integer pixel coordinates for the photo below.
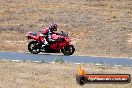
(70, 44)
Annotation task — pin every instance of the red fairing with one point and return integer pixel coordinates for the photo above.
(41, 37)
(31, 36)
(54, 36)
(34, 37)
(58, 46)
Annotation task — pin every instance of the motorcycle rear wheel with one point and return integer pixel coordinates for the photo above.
(68, 50)
(33, 47)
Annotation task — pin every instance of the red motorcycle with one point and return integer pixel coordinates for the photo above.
(61, 44)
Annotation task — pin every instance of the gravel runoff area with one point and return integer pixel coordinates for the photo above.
(27, 74)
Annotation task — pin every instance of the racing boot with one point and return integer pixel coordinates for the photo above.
(44, 44)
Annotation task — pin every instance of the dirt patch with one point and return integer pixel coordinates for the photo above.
(45, 75)
(97, 27)
(12, 41)
(130, 38)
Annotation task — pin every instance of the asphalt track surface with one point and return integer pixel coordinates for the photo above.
(72, 59)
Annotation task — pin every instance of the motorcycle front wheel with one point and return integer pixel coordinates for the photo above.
(68, 50)
(33, 47)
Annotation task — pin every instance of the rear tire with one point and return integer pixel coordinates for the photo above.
(33, 47)
(68, 50)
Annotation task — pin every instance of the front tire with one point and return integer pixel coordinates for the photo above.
(68, 50)
(33, 47)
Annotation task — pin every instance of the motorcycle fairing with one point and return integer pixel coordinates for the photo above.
(58, 46)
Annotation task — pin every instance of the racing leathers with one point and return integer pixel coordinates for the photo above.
(46, 32)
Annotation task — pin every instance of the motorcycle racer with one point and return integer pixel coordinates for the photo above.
(41, 41)
(47, 32)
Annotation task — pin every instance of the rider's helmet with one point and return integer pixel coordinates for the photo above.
(53, 27)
